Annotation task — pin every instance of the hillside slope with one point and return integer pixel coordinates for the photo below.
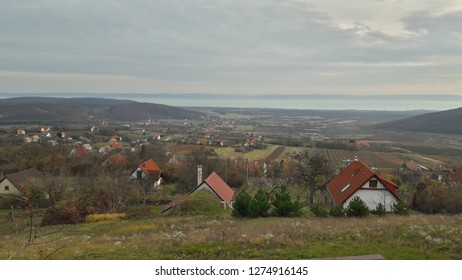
(444, 122)
(81, 110)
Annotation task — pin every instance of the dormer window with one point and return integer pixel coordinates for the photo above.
(346, 187)
(373, 183)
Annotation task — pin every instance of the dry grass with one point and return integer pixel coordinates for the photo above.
(224, 237)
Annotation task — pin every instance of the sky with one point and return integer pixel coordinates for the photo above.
(231, 46)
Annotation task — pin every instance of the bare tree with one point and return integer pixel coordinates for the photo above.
(312, 172)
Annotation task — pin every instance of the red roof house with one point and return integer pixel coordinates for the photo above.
(148, 170)
(458, 174)
(78, 150)
(357, 179)
(213, 184)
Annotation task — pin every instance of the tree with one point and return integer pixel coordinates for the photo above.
(312, 172)
(357, 208)
(260, 205)
(241, 206)
(283, 204)
(187, 173)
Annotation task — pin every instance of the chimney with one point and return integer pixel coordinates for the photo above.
(199, 174)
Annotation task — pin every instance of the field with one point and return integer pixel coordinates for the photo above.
(224, 237)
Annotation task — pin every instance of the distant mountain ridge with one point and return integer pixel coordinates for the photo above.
(81, 110)
(444, 122)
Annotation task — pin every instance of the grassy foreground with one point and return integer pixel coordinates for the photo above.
(224, 237)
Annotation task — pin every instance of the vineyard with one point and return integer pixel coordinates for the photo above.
(336, 157)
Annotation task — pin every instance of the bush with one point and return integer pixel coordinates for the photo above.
(241, 206)
(283, 204)
(93, 218)
(357, 208)
(259, 205)
(400, 208)
(380, 210)
(63, 212)
(337, 211)
(318, 210)
(432, 197)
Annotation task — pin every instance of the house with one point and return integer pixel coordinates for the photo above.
(116, 160)
(20, 132)
(13, 184)
(148, 170)
(358, 180)
(214, 185)
(78, 150)
(458, 175)
(414, 166)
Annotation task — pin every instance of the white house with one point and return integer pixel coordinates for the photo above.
(358, 180)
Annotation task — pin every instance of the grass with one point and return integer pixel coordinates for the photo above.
(257, 154)
(218, 236)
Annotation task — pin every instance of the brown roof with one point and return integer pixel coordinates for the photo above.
(27, 178)
(356, 174)
(219, 186)
(151, 169)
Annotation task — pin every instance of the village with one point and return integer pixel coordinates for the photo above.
(233, 167)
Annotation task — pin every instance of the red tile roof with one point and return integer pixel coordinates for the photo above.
(219, 186)
(79, 150)
(151, 169)
(355, 175)
(458, 175)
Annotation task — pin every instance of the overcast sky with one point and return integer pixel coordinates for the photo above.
(231, 46)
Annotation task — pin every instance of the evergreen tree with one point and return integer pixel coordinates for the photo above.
(260, 204)
(283, 204)
(241, 206)
(357, 208)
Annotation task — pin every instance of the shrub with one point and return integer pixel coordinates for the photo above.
(93, 218)
(63, 212)
(259, 205)
(337, 211)
(380, 210)
(357, 208)
(400, 208)
(318, 210)
(241, 206)
(283, 204)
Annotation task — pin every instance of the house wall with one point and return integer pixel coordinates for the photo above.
(144, 177)
(372, 197)
(12, 189)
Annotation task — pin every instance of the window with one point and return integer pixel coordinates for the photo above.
(346, 187)
(373, 184)
(7, 188)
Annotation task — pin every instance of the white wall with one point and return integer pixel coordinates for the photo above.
(373, 196)
(13, 190)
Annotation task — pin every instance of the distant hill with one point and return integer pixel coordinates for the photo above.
(82, 110)
(444, 122)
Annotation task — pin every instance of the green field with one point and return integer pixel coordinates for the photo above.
(224, 237)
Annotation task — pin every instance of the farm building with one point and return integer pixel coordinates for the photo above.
(358, 180)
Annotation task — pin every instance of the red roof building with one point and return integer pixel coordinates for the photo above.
(78, 151)
(213, 184)
(148, 170)
(357, 179)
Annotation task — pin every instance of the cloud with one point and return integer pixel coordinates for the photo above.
(231, 46)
